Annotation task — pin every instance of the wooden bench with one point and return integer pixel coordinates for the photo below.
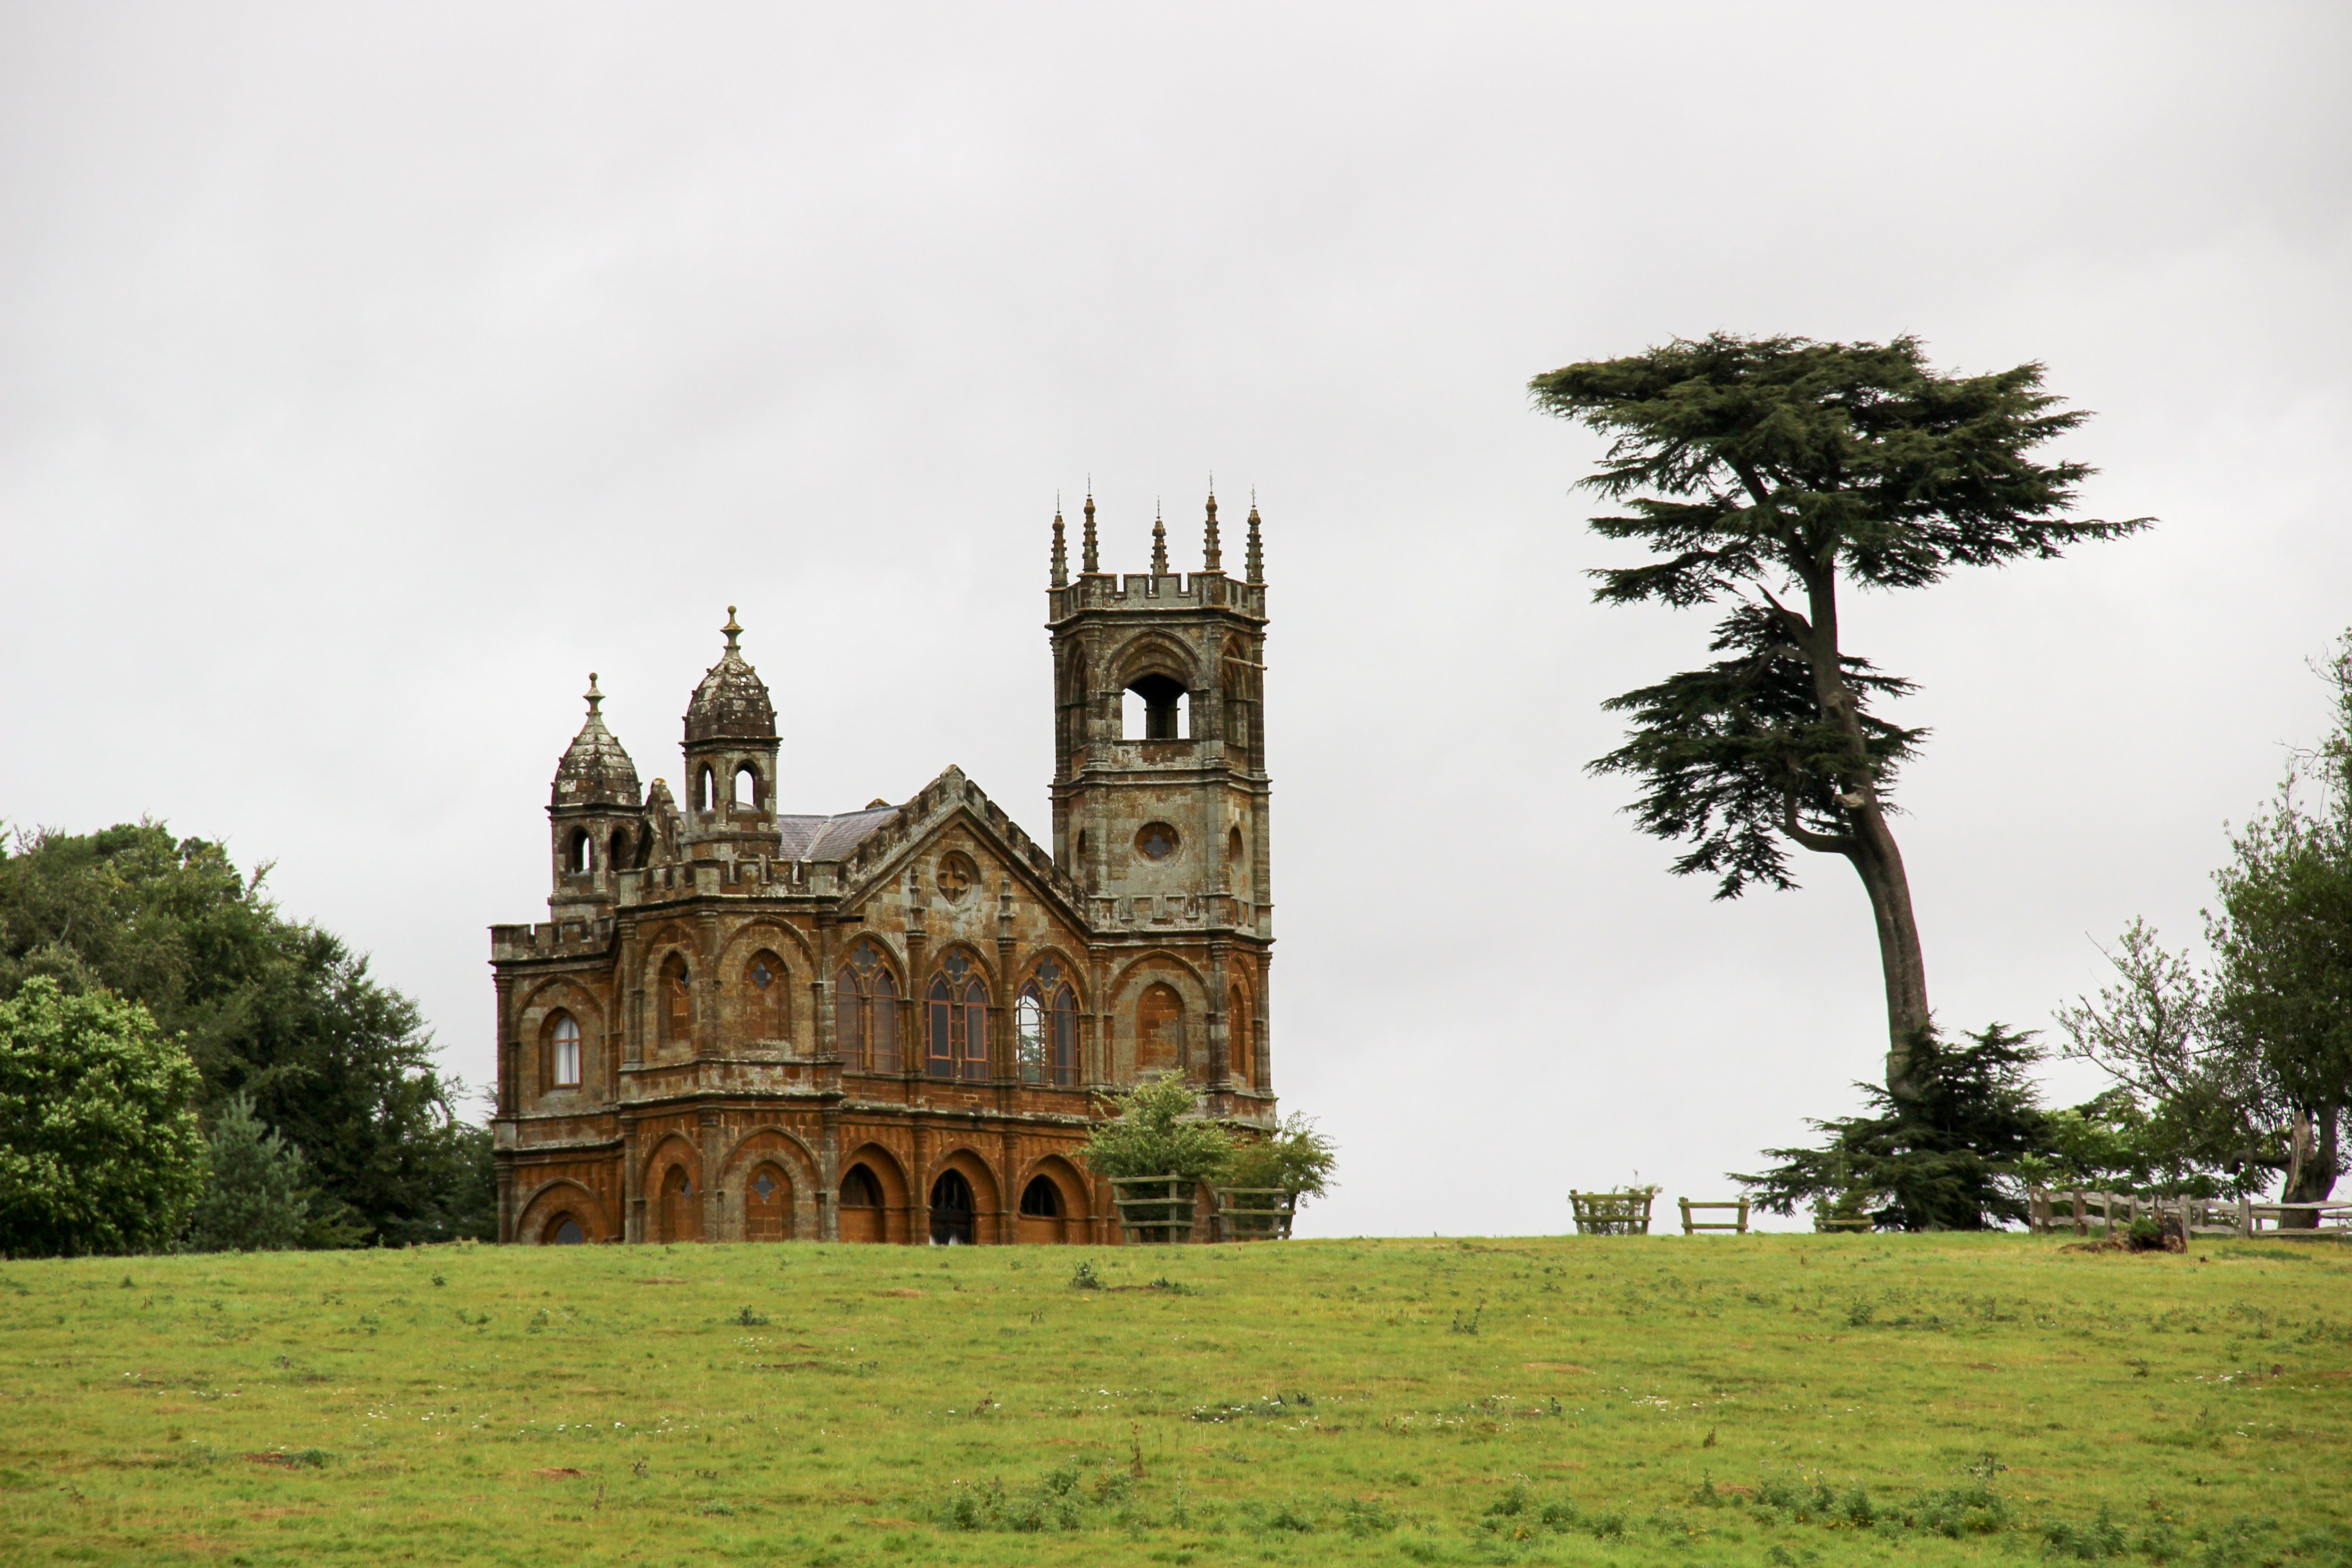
(1693, 1227)
(1612, 1214)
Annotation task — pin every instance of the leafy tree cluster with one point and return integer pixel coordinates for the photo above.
(2244, 1070)
(1160, 1131)
(99, 1146)
(274, 1014)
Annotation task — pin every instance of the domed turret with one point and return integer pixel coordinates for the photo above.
(595, 817)
(730, 755)
(595, 770)
(731, 703)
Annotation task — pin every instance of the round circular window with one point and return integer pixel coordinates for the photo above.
(956, 874)
(1157, 841)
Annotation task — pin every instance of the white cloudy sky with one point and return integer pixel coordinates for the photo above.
(368, 375)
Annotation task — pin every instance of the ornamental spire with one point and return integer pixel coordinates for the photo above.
(594, 698)
(1257, 561)
(1214, 556)
(731, 629)
(1061, 553)
(1087, 560)
(1159, 545)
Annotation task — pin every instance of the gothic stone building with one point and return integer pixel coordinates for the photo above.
(894, 1024)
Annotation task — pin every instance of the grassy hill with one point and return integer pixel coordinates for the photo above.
(1766, 1400)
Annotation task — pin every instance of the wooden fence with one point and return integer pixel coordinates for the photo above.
(2052, 1211)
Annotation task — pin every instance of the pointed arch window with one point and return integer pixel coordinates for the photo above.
(959, 1021)
(566, 1037)
(767, 997)
(1045, 1029)
(1241, 1060)
(675, 1003)
(866, 1012)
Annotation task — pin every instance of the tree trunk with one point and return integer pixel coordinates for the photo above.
(1868, 842)
(1880, 865)
(2311, 1169)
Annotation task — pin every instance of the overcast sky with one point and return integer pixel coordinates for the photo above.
(368, 375)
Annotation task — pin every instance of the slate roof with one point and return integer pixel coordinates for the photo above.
(831, 837)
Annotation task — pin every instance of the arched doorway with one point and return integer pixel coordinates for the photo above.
(862, 1217)
(681, 1215)
(767, 1203)
(1042, 1211)
(565, 1232)
(953, 1211)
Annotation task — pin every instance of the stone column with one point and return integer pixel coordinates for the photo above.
(828, 1175)
(632, 1182)
(713, 1214)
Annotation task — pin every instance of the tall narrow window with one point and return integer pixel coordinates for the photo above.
(1066, 1038)
(706, 791)
(767, 997)
(617, 859)
(675, 1001)
(1158, 1031)
(958, 1009)
(747, 788)
(866, 1012)
(1029, 1046)
(567, 1051)
(1241, 1060)
(583, 850)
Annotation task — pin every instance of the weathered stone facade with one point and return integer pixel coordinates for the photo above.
(894, 1024)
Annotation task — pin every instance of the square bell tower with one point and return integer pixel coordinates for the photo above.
(1161, 799)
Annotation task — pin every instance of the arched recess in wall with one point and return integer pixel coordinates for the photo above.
(674, 1182)
(873, 1195)
(1241, 1043)
(1159, 1029)
(865, 1011)
(766, 998)
(544, 1211)
(766, 1179)
(674, 1001)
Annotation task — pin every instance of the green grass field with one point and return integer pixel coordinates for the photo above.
(1764, 1400)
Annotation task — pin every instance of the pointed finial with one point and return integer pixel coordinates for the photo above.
(1061, 554)
(594, 697)
(1087, 561)
(1215, 555)
(731, 629)
(1159, 543)
(1256, 562)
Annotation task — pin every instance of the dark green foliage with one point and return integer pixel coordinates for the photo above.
(1778, 458)
(282, 1012)
(1948, 1155)
(98, 1149)
(1728, 755)
(254, 1199)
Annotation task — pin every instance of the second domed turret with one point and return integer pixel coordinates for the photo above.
(595, 770)
(731, 703)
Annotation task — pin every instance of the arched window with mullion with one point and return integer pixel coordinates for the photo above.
(1045, 1029)
(866, 1012)
(957, 1007)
